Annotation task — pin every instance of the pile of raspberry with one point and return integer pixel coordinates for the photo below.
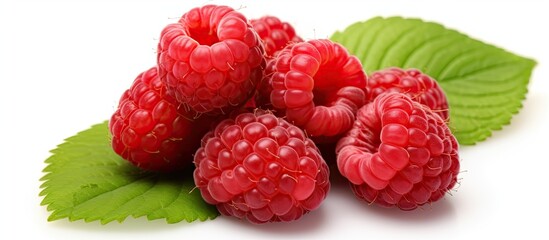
(246, 103)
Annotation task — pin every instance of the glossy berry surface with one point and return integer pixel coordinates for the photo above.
(318, 86)
(262, 98)
(412, 82)
(399, 153)
(274, 33)
(260, 168)
(211, 60)
(151, 130)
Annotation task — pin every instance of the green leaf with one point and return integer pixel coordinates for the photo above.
(485, 85)
(86, 180)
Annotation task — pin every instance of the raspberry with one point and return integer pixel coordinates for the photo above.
(262, 97)
(399, 153)
(412, 82)
(275, 34)
(151, 130)
(261, 168)
(211, 60)
(319, 86)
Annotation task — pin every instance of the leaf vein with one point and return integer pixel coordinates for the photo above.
(480, 70)
(406, 32)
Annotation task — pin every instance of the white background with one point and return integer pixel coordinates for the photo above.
(64, 65)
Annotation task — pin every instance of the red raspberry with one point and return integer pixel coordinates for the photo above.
(151, 130)
(399, 153)
(412, 82)
(318, 86)
(261, 168)
(211, 60)
(275, 34)
(262, 97)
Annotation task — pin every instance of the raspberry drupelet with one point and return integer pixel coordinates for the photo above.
(152, 130)
(274, 33)
(399, 153)
(262, 98)
(211, 60)
(260, 168)
(318, 86)
(412, 82)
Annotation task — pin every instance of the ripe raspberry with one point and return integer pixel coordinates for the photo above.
(211, 60)
(261, 168)
(262, 97)
(151, 130)
(275, 34)
(412, 82)
(318, 86)
(398, 153)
